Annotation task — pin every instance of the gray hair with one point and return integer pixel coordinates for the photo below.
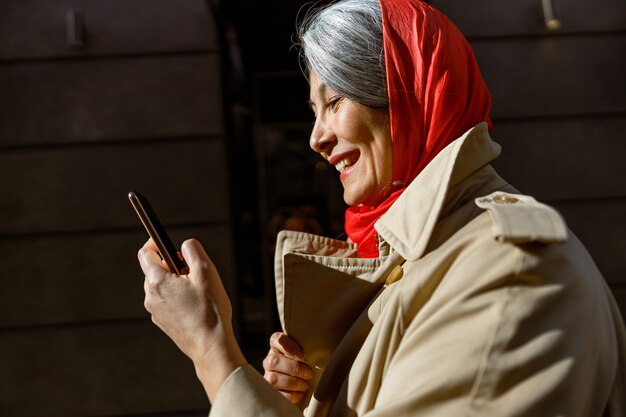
(343, 45)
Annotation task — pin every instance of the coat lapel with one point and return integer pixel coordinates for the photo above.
(408, 225)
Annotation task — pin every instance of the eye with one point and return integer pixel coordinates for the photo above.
(334, 101)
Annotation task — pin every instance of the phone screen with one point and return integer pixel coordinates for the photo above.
(157, 232)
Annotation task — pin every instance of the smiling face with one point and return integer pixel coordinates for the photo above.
(356, 139)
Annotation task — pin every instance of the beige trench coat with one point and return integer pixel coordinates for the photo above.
(481, 304)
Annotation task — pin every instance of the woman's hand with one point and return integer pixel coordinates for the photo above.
(194, 311)
(284, 368)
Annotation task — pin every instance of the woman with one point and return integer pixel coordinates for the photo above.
(455, 294)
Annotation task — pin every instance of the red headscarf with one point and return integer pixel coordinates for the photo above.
(436, 93)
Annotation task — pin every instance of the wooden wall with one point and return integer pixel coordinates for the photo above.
(132, 102)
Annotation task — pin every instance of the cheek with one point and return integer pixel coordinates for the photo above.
(388, 150)
(384, 168)
(382, 150)
(351, 124)
(347, 128)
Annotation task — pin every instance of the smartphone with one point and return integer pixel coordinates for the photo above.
(157, 232)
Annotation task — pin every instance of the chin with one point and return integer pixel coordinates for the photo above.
(354, 199)
(350, 200)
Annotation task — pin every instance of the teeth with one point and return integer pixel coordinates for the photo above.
(343, 164)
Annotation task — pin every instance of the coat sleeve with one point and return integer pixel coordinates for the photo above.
(246, 394)
(502, 338)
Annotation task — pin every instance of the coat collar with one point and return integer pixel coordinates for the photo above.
(408, 225)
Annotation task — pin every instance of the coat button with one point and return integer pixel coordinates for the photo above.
(504, 199)
(394, 275)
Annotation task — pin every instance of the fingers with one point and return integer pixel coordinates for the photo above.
(286, 345)
(293, 396)
(155, 272)
(283, 371)
(277, 362)
(149, 258)
(185, 269)
(151, 264)
(284, 382)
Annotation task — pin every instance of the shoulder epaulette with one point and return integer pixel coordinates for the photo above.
(522, 219)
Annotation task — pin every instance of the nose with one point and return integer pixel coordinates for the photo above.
(322, 137)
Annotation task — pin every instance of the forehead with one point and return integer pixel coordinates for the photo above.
(317, 89)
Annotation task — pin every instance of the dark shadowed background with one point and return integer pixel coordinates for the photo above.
(203, 108)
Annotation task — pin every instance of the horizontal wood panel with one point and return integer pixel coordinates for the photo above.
(106, 369)
(88, 277)
(554, 76)
(478, 18)
(601, 227)
(97, 100)
(38, 28)
(85, 188)
(564, 159)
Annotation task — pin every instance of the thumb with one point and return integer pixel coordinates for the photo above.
(202, 272)
(196, 257)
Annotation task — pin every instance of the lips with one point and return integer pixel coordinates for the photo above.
(345, 160)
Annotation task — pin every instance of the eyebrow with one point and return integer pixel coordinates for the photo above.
(320, 90)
